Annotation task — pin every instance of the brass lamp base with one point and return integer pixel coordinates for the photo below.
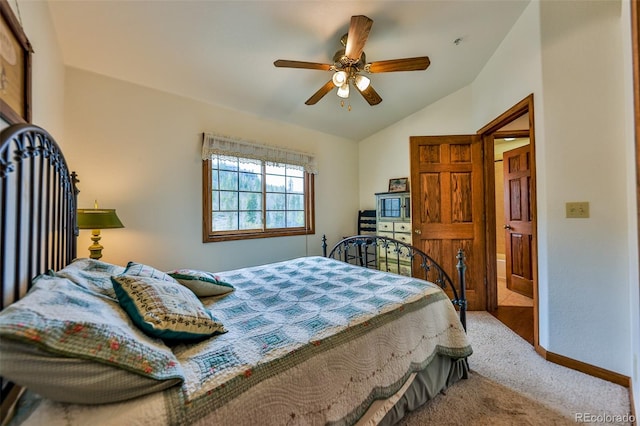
(95, 249)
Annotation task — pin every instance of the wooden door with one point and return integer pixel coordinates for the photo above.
(518, 216)
(448, 204)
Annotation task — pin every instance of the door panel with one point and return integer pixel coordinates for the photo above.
(448, 205)
(518, 219)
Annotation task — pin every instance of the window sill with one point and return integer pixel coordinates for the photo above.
(213, 238)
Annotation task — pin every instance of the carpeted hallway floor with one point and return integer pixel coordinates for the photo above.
(512, 385)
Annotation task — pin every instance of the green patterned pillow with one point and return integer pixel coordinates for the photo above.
(202, 283)
(165, 309)
(59, 320)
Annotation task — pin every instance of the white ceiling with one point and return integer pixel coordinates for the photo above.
(222, 52)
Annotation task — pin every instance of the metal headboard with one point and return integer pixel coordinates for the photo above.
(38, 198)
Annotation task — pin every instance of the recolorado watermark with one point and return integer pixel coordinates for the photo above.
(604, 418)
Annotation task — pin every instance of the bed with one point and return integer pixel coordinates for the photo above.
(285, 343)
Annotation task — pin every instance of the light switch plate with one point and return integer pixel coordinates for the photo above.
(578, 209)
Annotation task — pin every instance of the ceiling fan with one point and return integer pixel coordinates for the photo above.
(350, 62)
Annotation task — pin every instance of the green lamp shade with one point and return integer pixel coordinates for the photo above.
(98, 219)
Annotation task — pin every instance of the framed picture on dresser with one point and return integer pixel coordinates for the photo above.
(399, 184)
(15, 68)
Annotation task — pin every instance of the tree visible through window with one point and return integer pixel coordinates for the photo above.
(248, 198)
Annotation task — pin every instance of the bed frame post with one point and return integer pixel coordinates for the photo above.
(76, 230)
(324, 245)
(461, 267)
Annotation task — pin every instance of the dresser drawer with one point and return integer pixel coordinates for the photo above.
(392, 255)
(388, 234)
(402, 227)
(404, 269)
(405, 238)
(385, 226)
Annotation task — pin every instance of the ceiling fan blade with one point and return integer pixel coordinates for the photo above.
(357, 36)
(370, 95)
(320, 93)
(301, 64)
(407, 64)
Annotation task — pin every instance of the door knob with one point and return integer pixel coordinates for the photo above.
(417, 231)
(507, 227)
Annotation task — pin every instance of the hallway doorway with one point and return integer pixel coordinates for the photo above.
(511, 247)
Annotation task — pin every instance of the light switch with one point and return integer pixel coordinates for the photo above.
(578, 209)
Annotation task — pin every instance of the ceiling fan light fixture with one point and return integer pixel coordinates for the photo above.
(339, 78)
(362, 82)
(343, 91)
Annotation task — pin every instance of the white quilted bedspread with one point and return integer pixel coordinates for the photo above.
(311, 341)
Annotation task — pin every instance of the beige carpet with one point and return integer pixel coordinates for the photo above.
(510, 384)
(480, 401)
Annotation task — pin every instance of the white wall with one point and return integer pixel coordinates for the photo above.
(569, 55)
(632, 205)
(586, 145)
(138, 150)
(385, 155)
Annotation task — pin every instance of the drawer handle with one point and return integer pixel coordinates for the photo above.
(417, 231)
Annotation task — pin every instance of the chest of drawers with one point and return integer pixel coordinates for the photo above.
(393, 219)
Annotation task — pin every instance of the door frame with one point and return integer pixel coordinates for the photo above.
(488, 133)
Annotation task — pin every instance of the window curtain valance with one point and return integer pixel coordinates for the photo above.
(222, 145)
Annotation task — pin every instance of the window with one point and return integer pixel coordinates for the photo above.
(247, 197)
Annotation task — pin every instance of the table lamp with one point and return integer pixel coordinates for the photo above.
(97, 219)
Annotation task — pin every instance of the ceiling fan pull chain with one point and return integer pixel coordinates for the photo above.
(348, 105)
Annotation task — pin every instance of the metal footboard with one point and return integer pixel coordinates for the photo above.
(391, 255)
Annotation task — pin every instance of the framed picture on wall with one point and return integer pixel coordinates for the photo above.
(15, 68)
(399, 185)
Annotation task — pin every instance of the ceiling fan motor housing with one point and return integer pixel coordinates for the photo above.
(341, 61)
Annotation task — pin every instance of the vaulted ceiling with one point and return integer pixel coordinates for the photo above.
(222, 52)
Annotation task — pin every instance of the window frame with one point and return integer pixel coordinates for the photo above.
(210, 236)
